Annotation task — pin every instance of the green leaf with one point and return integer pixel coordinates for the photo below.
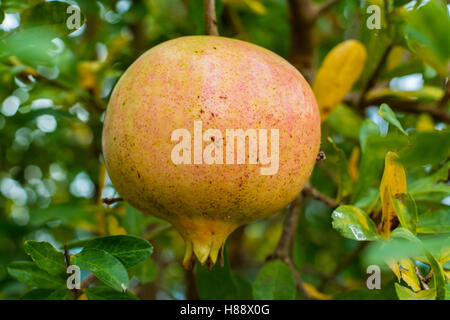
(128, 249)
(46, 256)
(274, 281)
(404, 244)
(353, 223)
(390, 117)
(134, 221)
(47, 294)
(105, 266)
(435, 221)
(345, 185)
(31, 274)
(426, 148)
(405, 293)
(346, 121)
(438, 276)
(104, 293)
(52, 15)
(71, 214)
(425, 28)
(406, 210)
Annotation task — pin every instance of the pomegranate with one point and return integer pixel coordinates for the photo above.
(210, 133)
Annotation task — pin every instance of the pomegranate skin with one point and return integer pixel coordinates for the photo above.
(225, 84)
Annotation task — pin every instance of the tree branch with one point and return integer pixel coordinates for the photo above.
(372, 80)
(302, 20)
(109, 201)
(283, 249)
(438, 113)
(210, 18)
(316, 194)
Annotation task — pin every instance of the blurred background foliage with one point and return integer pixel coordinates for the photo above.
(54, 89)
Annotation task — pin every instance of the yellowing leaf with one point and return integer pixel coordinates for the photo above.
(444, 255)
(425, 122)
(393, 182)
(88, 73)
(394, 58)
(339, 71)
(256, 6)
(114, 228)
(83, 297)
(404, 269)
(314, 293)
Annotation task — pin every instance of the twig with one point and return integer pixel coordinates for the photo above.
(428, 276)
(283, 249)
(316, 194)
(438, 113)
(423, 283)
(344, 263)
(109, 201)
(90, 279)
(303, 16)
(210, 18)
(372, 80)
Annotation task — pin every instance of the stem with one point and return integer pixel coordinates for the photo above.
(210, 18)
(283, 249)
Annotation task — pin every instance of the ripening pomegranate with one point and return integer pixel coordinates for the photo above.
(210, 133)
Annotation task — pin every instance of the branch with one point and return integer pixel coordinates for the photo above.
(210, 18)
(372, 80)
(90, 279)
(302, 20)
(316, 194)
(109, 201)
(283, 249)
(423, 282)
(438, 113)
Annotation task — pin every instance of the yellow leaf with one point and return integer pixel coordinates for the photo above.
(444, 255)
(425, 122)
(314, 293)
(393, 182)
(83, 297)
(256, 6)
(404, 269)
(394, 58)
(353, 164)
(339, 71)
(88, 73)
(113, 227)
(395, 267)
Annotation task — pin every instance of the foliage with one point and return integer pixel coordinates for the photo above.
(380, 197)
